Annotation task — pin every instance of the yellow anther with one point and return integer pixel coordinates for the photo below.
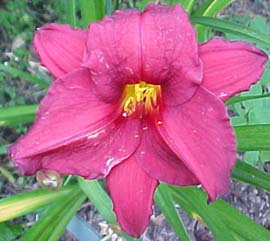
(140, 96)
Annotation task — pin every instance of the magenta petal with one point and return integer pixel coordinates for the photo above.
(199, 132)
(70, 111)
(158, 160)
(92, 155)
(60, 47)
(170, 51)
(113, 52)
(132, 193)
(230, 66)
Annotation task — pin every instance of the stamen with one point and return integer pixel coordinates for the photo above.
(141, 98)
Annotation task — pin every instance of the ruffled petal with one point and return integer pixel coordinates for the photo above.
(91, 156)
(158, 160)
(132, 193)
(199, 132)
(170, 51)
(71, 110)
(230, 66)
(113, 52)
(60, 47)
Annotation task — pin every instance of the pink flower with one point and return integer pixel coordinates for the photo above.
(137, 101)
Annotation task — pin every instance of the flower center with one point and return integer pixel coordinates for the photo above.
(141, 99)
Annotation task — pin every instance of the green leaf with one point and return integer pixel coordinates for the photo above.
(144, 3)
(240, 98)
(7, 174)
(27, 202)
(225, 222)
(234, 28)
(194, 202)
(166, 204)
(251, 175)
(187, 4)
(3, 149)
(253, 137)
(239, 224)
(53, 222)
(9, 232)
(109, 7)
(15, 115)
(101, 201)
(99, 198)
(209, 8)
(24, 75)
(257, 23)
(91, 10)
(264, 156)
(70, 7)
(81, 229)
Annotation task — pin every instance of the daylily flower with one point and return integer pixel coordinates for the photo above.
(136, 100)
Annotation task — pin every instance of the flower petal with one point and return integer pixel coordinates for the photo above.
(170, 51)
(60, 47)
(200, 134)
(132, 193)
(91, 156)
(70, 110)
(113, 52)
(158, 160)
(230, 66)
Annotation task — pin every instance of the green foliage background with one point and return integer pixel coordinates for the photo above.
(23, 83)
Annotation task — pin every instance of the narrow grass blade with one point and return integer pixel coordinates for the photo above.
(187, 4)
(234, 28)
(102, 202)
(144, 3)
(70, 7)
(166, 204)
(238, 99)
(24, 75)
(27, 202)
(53, 222)
(253, 137)
(209, 8)
(223, 220)
(99, 198)
(91, 10)
(251, 175)
(15, 115)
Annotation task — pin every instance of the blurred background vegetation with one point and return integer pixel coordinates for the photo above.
(23, 80)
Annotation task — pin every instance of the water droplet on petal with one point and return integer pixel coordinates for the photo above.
(93, 72)
(109, 161)
(222, 94)
(125, 114)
